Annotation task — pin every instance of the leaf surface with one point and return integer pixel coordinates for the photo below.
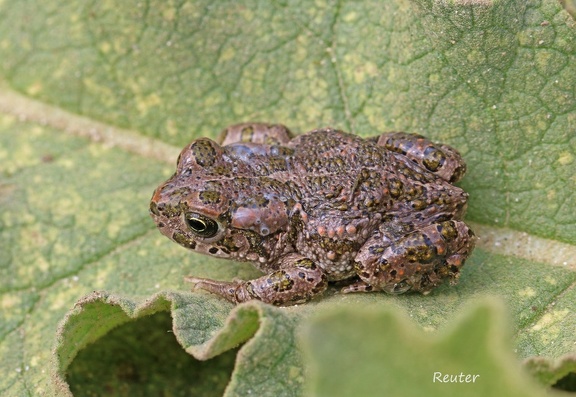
(96, 99)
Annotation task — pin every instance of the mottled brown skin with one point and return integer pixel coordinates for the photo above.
(319, 207)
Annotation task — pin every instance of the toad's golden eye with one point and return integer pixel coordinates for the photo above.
(201, 225)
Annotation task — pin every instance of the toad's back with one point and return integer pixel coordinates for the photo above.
(337, 171)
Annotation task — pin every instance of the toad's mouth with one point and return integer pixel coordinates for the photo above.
(213, 250)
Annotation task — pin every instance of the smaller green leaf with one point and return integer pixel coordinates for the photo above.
(267, 364)
(376, 352)
(551, 372)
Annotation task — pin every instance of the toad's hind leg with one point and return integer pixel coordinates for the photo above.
(439, 159)
(260, 133)
(417, 261)
(298, 280)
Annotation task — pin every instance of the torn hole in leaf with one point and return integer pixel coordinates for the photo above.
(142, 357)
(567, 383)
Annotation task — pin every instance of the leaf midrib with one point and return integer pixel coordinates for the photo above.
(501, 241)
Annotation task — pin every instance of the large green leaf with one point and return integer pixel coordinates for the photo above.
(96, 98)
(388, 354)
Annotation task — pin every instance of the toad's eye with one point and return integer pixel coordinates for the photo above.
(201, 225)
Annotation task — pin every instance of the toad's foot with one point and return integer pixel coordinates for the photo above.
(297, 283)
(358, 286)
(391, 288)
(439, 159)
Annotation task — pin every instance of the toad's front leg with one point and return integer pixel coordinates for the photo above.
(298, 280)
